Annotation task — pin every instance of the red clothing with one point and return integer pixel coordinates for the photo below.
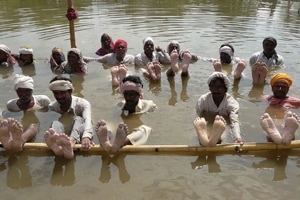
(288, 102)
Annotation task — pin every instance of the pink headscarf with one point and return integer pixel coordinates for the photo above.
(128, 85)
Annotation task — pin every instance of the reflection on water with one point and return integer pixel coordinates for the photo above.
(200, 26)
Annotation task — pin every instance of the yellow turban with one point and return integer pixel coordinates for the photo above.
(281, 76)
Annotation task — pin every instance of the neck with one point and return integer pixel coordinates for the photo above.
(24, 105)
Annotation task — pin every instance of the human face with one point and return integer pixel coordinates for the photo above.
(131, 97)
(173, 47)
(121, 50)
(57, 57)
(3, 56)
(24, 94)
(280, 89)
(149, 47)
(73, 58)
(26, 58)
(63, 97)
(218, 89)
(268, 47)
(106, 42)
(225, 58)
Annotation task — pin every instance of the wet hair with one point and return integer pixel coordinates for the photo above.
(227, 45)
(133, 78)
(59, 78)
(214, 80)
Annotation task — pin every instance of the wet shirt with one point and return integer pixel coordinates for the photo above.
(229, 107)
(111, 59)
(79, 107)
(142, 60)
(40, 102)
(288, 102)
(276, 60)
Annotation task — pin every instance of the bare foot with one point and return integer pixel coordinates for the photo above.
(239, 70)
(186, 63)
(270, 129)
(151, 71)
(5, 135)
(263, 70)
(101, 130)
(217, 66)
(290, 127)
(114, 70)
(66, 145)
(51, 139)
(16, 130)
(201, 130)
(157, 69)
(217, 130)
(174, 63)
(122, 72)
(255, 73)
(121, 135)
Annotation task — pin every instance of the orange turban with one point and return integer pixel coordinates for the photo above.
(281, 76)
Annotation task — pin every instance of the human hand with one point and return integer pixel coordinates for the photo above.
(86, 144)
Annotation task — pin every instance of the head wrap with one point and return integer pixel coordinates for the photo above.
(281, 76)
(61, 85)
(128, 85)
(270, 39)
(174, 42)
(227, 50)
(148, 39)
(57, 50)
(22, 81)
(77, 52)
(118, 42)
(6, 49)
(26, 50)
(220, 75)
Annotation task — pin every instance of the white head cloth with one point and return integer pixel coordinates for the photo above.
(61, 85)
(22, 81)
(227, 50)
(5, 48)
(128, 85)
(148, 39)
(26, 50)
(220, 75)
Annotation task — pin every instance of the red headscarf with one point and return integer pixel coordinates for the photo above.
(120, 41)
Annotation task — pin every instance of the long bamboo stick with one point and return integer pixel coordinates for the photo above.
(71, 27)
(180, 148)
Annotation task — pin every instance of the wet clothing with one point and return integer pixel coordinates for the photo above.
(81, 110)
(275, 61)
(288, 102)
(228, 108)
(142, 60)
(40, 102)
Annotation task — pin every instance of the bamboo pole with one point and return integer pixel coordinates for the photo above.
(71, 27)
(231, 148)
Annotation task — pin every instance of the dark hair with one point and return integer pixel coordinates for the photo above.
(133, 78)
(228, 45)
(218, 79)
(58, 78)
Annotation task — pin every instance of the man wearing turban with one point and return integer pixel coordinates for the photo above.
(15, 140)
(80, 109)
(151, 58)
(116, 61)
(215, 106)
(25, 56)
(131, 108)
(261, 61)
(175, 56)
(227, 58)
(279, 103)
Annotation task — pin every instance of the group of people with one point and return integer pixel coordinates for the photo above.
(216, 107)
